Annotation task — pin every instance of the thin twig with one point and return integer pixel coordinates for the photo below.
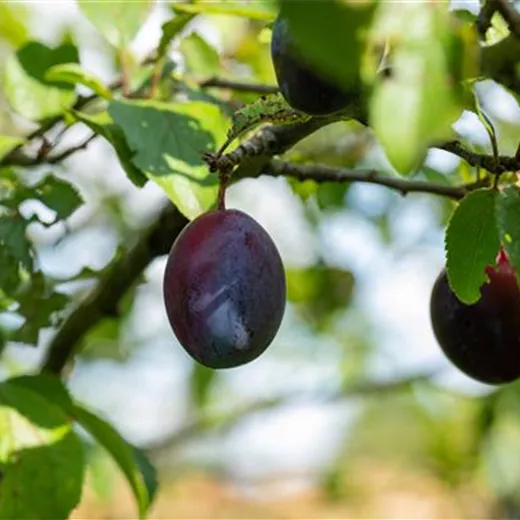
(488, 162)
(324, 173)
(239, 86)
(70, 151)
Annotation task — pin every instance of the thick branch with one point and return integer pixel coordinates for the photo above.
(510, 15)
(324, 173)
(484, 17)
(104, 300)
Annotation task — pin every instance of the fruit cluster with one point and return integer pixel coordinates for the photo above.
(224, 283)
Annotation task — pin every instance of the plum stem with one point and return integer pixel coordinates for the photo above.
(221, 200)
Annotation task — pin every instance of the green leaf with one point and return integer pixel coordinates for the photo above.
(262, 10)
(12, 27)
(8, 143)
(416, 106)
(171, 29)
(58, 195)
(26, 88)
(118, 22)
(168, 142)
(200, 58)
(319, 292)
(48, 386)
(201, 383)
(41, 458)
(472, 243)
(73, 74)
(132, 462)
(508, 217)
(9, 271)
(13, 239)
(37, 304)
(103, 125)
(129, 460)
(329, 33)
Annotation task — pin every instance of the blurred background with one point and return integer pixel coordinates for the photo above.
(352, 412)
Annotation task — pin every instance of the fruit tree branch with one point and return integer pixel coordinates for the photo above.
(487, 162)
(324, 173)
(483, 21)
(118, 279)
(238, 86)
(509, 14)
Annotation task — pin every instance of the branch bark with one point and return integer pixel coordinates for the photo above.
(510, 15)
(324, 173)
(104, 300)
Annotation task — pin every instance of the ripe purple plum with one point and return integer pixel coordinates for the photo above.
(483, 339)
(224, 289)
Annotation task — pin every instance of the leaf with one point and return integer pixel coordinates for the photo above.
(472, 243)
(118, 22)
(48, 386)
(37, 304)
(508, 217)
(26, 88)
(319, 292)
(58, 195)
(103, 125)
(41, 458)
(8, 143)
(200, 58)
(168, 141)
(263, 10)
(419, 102)
(201, 383)
(170, 30)
(131, 461)
(13, 239)
(73, 74)
(331, 33)
(12, 26)
(9, 272)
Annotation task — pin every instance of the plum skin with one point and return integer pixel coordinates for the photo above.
(302, 87)
(224, 289)
(483, 339)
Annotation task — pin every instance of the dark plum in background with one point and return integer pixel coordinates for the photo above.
(483, 339)
(301, 86)
(224, 289)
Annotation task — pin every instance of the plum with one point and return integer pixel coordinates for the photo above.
(482, 339)
(224, 289)
(303, 87)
